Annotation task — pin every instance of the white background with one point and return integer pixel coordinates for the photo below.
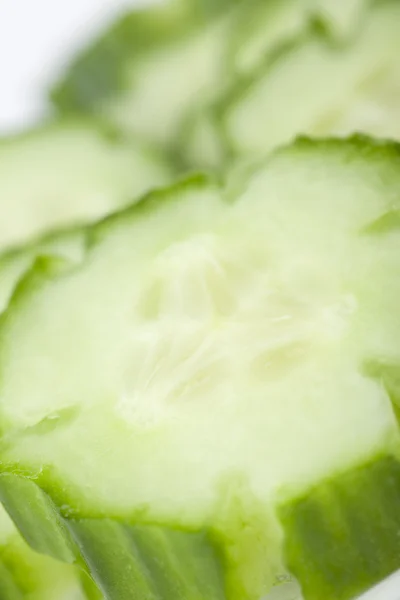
(37, 37)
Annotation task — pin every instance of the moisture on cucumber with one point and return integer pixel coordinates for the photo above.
(69, 173)
(201, 406)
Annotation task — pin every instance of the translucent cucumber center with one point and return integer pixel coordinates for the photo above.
(213, 317)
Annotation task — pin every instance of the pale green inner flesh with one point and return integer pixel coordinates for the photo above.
(170, 82)
(65, 175)
(69, 245)
(337, 90)
(264, 26)
(202, 342)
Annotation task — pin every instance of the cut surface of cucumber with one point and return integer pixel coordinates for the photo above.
(262, 27)
(69, 173)
(339, 89)
(204, 373)
(174, 52)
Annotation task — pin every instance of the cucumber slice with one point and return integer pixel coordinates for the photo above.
(197, 391)
(69, 173)
(262, 27)
(175, 52)
(338, 89)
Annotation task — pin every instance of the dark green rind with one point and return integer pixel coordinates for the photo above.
(155, 562)
(112, 559)
(342, 537)
(36, 517)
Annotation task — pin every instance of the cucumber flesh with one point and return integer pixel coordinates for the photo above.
(204, 369)
(338, 89)
(68, 246)
(69, 173)
(263, 27)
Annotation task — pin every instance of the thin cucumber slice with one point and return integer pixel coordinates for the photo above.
(198, 390)
(337, 89)
(262, 27)
(174, 52)
(69, 173)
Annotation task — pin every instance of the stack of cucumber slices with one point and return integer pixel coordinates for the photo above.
(200, 315)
